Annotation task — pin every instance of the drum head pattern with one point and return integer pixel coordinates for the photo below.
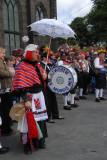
(62, 79)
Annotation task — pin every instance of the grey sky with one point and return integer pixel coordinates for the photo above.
(67, 10)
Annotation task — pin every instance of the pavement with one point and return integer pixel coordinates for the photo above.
(82, 135)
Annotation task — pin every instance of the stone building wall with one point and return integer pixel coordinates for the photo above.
(27, 15)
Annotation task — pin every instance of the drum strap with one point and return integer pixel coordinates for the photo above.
(40, 76)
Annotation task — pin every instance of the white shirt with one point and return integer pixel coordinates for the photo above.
(60, 63)
(88, 66)
(97, 63)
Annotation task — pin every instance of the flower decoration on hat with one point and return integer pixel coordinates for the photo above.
(64, 50)
(46, 49)
(101, 51)
(17, 52)
(74, 49)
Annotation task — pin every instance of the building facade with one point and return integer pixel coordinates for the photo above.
(16, 15)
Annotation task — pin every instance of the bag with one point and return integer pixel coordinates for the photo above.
(17, 111)
(93, 71)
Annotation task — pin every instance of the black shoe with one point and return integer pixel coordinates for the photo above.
(57, 117)
(68, 102)
(67, 107)
(50, 121)
(9, 134)
(27, 149)
(42, 146)
(76, 98)
(97, 99)
(85, 93)
(4, 150)
(75, 105)
(82, 97)
(102, 98)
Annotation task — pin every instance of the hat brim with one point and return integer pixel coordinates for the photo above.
(17, 111)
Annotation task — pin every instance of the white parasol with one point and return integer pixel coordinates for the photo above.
(53, 28)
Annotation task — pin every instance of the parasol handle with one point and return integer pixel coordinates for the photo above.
(51, 34)
(49, 47)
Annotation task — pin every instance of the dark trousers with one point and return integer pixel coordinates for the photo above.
(87, 80)
(5, 106)
(83, 80)
(100, 81)
(80, 80)
(51, 104)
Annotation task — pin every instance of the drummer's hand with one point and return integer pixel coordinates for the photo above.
(0, 99)
(49, 77)
(28, 105)
(44, 75)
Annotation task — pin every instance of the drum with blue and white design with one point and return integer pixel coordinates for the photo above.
(62, 79)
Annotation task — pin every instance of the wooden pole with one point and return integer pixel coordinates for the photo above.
(49, 47)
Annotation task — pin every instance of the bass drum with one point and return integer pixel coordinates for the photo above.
(62, 79)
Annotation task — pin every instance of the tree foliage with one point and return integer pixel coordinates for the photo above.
(92, 28)
(83, 36)
(98, 19)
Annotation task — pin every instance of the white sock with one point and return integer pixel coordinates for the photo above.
(69, 97)
(81, 91)
(0, 145)
(72, 98)
(75, 94)
(65, 100)
(97, 93)
(101, 92)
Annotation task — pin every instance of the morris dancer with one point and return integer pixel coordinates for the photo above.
(50, 97)
(101, 77)
(82, 76)
(64, 52)
(29, 83)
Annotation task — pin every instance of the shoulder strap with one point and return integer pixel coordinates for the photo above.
(40, 76)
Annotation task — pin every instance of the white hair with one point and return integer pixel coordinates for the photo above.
(30, 47)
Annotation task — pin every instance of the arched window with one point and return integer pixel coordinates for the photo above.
(11, 25)
(39, 14)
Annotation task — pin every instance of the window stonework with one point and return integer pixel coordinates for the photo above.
(39, 14)
(11, 25)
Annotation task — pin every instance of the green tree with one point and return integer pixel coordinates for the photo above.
(98, 19)
(79, 25)
(70, 41)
